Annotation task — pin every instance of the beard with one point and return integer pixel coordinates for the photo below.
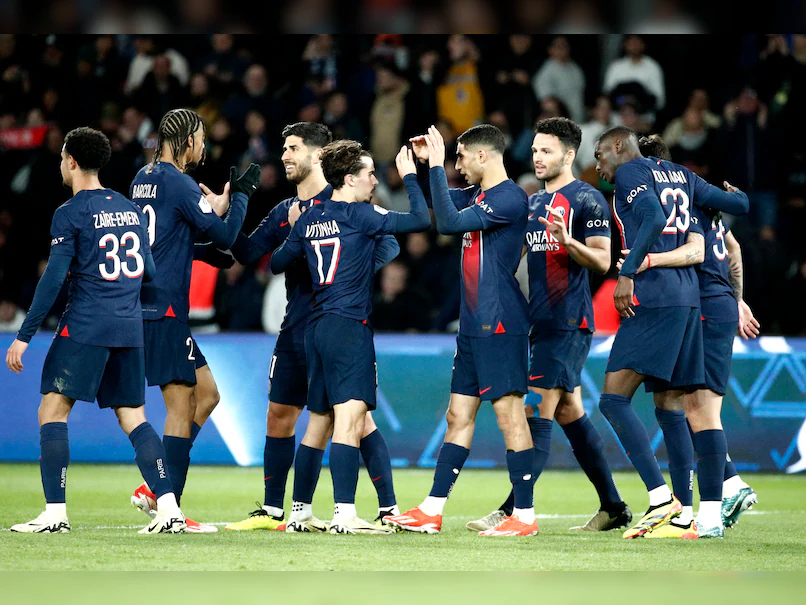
(552, 172)
(303, 170)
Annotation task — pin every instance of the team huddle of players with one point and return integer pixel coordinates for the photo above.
(678, 292)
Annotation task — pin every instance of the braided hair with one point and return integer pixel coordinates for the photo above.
(174, 129)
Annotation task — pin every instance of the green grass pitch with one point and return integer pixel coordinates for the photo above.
(104, 536)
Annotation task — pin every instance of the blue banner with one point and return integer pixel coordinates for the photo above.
(763, 412)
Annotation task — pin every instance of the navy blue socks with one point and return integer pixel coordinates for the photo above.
(278, 456)
(631, 432)
(451, 459)
(588, 447)
(375, 453)
(149, 454)
(306, 472)
(681, 453)
(177, 460)
(55, 457)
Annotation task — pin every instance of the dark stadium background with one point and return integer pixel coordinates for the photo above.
(52, 83)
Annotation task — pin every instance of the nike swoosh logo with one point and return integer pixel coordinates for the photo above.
(374, 479)
(484, 391)
(535, 377)
(531, 215)
(283, 224)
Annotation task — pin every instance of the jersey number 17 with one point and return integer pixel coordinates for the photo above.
(318, 245)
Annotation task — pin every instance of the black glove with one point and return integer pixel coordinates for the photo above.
(247, 183)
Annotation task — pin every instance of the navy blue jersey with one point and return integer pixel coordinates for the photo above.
(338, 241)
(559, 287)
(176, 210)
(273, 231)
(674, 187)
(492, 301)
(105, 235)
(717, 298)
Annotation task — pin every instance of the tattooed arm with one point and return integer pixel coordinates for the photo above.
(748, 324)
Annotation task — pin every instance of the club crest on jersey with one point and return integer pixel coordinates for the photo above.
(205, 205)
(631, 195)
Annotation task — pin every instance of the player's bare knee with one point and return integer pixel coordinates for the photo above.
(281, 420)
(459, 419)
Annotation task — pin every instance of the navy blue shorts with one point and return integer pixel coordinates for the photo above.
(172, 354)
(664, 344)
(490, 366)
(113, 376)
(288, 374)
(340, 356)
(557, 358)
(717, 339)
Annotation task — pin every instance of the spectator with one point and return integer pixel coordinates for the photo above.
(160, 91)
(322, 65)
(745, 142)
(341, 122)
(239, 298)
(223, 64)
(514, 94)
(396, 307)
(694, 148)
(255, 96)
(459, 98)
(601, 119)
(638, 75)
(143, 62)
(387, 114)
(698, 101)
(11, 316)
(561, 77)
(421, 102)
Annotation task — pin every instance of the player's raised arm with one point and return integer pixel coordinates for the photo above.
(459, 197)
(224, 233)
(732, 200)
(377, 221)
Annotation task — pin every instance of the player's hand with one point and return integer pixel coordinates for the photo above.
(644, 263)
(748, 324)
(436, 147)
(14, 356)
(557, 229)
(623, 296)
(728, 187)
(294, 212)
(405, 162)
(247, 183)
(420, 147)
(220, 203)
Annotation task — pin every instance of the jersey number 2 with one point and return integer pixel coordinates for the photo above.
(318, 244)
(110, 240)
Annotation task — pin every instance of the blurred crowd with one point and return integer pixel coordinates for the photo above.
(729, 107)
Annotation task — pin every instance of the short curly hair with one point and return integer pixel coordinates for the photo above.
(341, 158)
(569, 134)
(89, 147)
